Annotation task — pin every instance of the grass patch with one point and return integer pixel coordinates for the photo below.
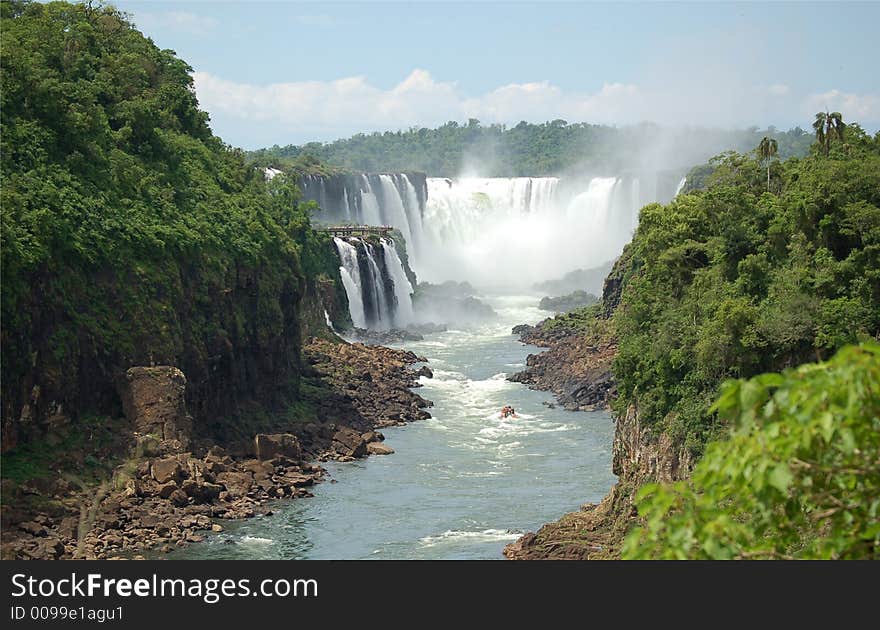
(586, 320)
(84, 448)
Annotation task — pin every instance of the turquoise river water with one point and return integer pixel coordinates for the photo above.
(462, 484)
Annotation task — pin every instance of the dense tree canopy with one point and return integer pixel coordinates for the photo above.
(124, 217)
(733, 281)
(527, 149)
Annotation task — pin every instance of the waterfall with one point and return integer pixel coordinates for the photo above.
(680, 186)
(497, 231)
(395, 212)
(351, 281)
(378, 290)
(507, 232)
(403, 290)
(384, 305)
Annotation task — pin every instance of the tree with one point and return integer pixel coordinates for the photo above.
(797, 479)
(767, 150)
(828, 127)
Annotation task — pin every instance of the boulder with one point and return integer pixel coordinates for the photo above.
(377, 448)
(261, 470)
(296, 480)
(179, 498)
(372, 436)
(33, 528)
(153, 400)
(167, 469)
(201, 492)
(237, 484)
(348, 442)
(269, 446)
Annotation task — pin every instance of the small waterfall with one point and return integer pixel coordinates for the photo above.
(403, 290)
(394, 208)
(680, 186)
(378, 290)
(378, 280)
(351, 281)
(371, 213)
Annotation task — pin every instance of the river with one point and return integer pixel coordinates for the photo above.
(462, 484)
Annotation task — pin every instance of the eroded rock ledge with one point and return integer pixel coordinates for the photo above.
(577, 371)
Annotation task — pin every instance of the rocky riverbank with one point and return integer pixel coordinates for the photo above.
(575, 367)
(170, 485)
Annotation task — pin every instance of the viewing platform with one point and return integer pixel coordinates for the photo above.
(347, 231)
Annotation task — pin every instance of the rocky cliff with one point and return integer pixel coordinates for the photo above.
(574, 367)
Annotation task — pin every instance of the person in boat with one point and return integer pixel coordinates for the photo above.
(508, 411)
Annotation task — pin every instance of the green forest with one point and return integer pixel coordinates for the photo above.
(527, 149)
(739, 279)
(130, 233)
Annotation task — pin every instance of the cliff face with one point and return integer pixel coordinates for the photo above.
(596, 532)
(641, 455)
(235, 333)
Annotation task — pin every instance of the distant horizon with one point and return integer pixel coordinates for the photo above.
(297, 72)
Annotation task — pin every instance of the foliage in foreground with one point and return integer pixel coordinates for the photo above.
(799, 477)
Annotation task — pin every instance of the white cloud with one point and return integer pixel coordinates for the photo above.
(324, 106)
(324, 110)
(856, 107)
(182, 21)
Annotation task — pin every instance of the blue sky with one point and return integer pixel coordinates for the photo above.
(290, 72)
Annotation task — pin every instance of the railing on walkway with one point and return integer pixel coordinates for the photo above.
(347, 231)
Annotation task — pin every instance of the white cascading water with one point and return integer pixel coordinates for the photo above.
(384, 311)
(394, 210)
(351, 281)
(680, 186)
(371, 214)
(414, 222)
(383, 316)
(403, 289)
(513, 232)
(497, 231)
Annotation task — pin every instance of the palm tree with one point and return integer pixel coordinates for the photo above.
(828, 127)
(766, 152)
(819, 128)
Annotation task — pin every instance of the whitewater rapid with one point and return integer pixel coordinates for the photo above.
(461, 484)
